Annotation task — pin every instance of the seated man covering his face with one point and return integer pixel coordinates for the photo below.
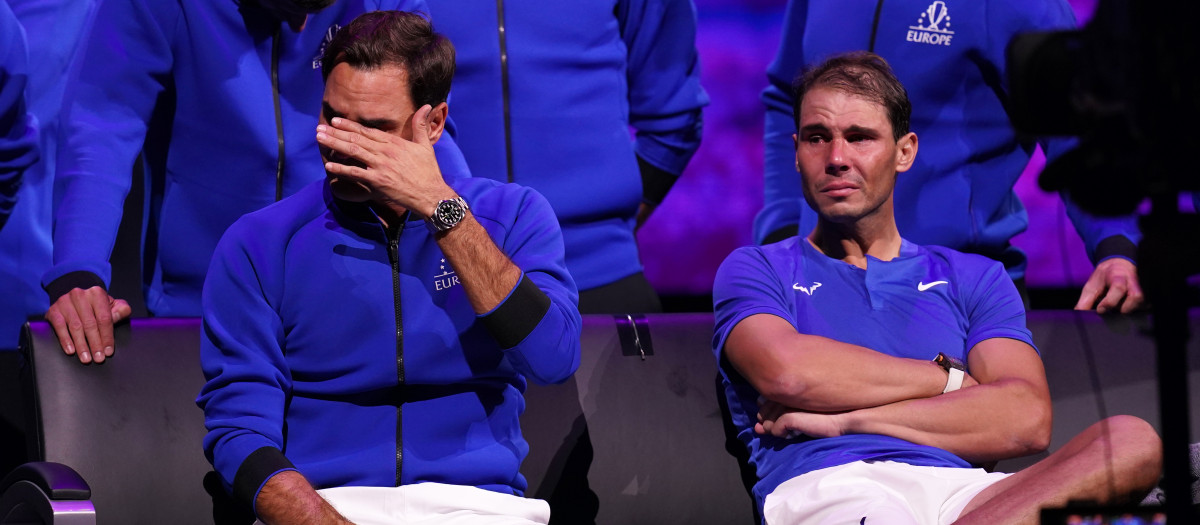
(370, 337)
(842, 351)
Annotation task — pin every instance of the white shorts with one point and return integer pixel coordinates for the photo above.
(876, 493)
(434, 503)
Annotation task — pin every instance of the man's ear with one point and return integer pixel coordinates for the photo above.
(906, 152)
(437, 122)
(796, 150)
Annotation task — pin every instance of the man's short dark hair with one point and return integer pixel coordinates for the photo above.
(396, 38)
(862, 74)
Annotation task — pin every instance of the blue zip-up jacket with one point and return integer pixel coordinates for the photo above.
(950, 55)
(190, 84)
(545, 94)
(18, 127)
(55, 30)
(353, 355)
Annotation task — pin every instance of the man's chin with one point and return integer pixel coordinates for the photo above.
(841, 214)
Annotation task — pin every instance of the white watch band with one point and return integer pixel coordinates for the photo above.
(954, 381)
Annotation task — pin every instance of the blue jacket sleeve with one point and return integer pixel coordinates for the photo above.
(108, 104)
(18, 129)
(665, 96)
(538, 324)
(783, 200)
(241, 353)
(1104, 237)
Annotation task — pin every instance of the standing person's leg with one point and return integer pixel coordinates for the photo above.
(1117, 460)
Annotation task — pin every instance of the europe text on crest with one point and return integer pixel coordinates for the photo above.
(933, 26)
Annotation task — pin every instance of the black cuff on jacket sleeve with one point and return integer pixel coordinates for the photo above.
(785, 232)
(81, 279)
(258, 466)
(512, 321)
(656, 182)
(1116, 245)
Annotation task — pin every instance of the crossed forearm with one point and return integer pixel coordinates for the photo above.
(980, 424)
(821, 374)
(1005, 414)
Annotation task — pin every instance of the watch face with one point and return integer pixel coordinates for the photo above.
(948, 362)
(449, 213)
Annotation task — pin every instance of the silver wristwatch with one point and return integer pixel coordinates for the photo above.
(447, 214)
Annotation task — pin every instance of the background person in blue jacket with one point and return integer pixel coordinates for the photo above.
(18, 127)
(545, 95)
(868, 376)
(370, 337)
(950, 54)
(54, 30)
(220, 98)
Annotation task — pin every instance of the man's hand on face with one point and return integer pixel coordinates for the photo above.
(399, 173)
(83, 321)
(1114, 283)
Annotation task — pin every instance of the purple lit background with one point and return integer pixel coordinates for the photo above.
(710, 211)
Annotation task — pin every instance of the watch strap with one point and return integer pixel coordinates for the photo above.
(955, 371)
(954, 380)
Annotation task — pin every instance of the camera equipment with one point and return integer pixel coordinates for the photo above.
(1129, 86)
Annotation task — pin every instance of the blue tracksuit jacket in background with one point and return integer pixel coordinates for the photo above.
(18, 127)
(192, 80)
(355, 352)
(553, 109)
(56, 30)
(950, 55)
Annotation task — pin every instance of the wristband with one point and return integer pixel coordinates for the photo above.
(954, 381)
(954, 369)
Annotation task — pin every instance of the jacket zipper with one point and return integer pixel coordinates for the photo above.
(394, 257)
(875, 25)
(508, 157)
(278, 111)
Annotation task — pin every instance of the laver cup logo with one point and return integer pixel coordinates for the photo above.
(329, 33)
(933, 26)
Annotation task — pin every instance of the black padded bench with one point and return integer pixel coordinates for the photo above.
(645, 389)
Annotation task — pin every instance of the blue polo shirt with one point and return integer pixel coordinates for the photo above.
(927, 300)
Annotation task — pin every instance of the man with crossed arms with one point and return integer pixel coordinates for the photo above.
(842, 352)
